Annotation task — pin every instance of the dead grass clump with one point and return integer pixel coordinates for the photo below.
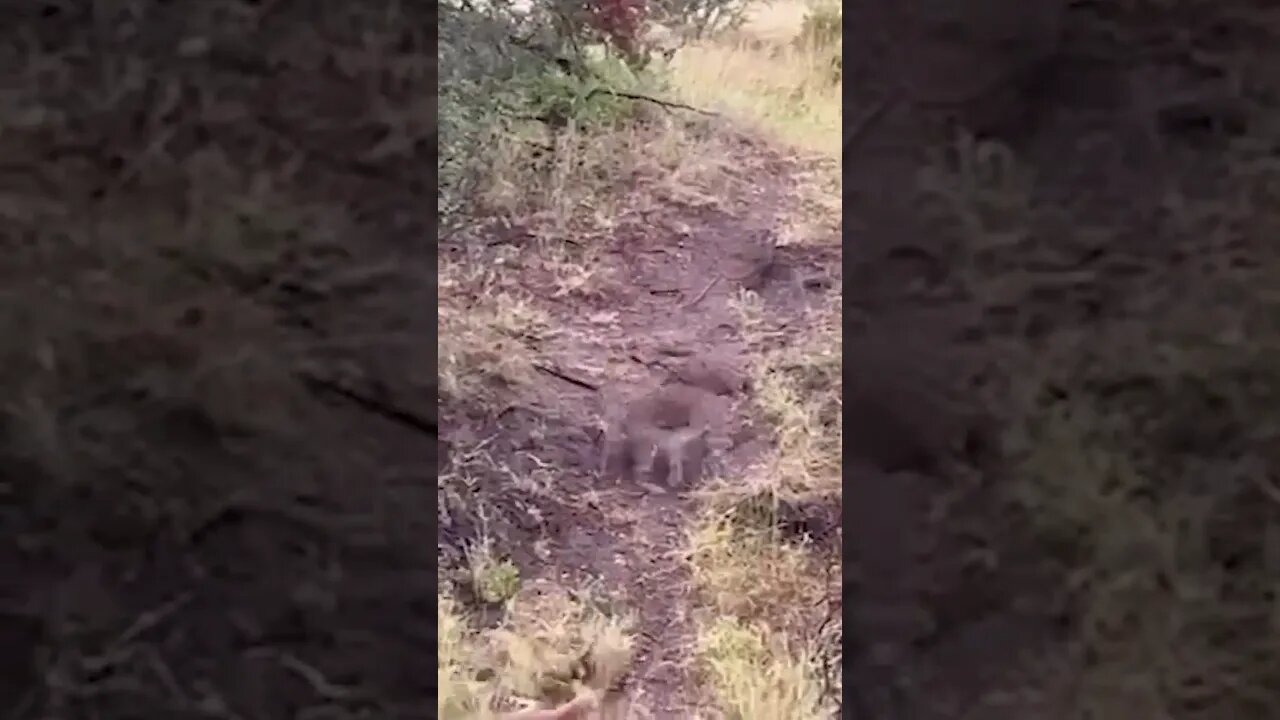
(752, 674)
(576, 177)
(553, 638)
(565, 205)
(549, 647)
(589, 176)
(488, 337)
(459, 693)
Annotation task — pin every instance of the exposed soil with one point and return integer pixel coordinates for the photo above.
(665, 317)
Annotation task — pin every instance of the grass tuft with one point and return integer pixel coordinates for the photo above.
(549, 646)
(753, 675)
(749, 571)
(794, 394)
(459, 693)
(493, 580)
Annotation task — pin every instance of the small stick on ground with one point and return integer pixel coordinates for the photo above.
(556, 373)
(703, 294)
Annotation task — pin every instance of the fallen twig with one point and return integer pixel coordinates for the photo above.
(560, 374)
(667, 104)
(702, 294)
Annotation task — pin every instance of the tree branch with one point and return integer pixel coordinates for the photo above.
(667, 104)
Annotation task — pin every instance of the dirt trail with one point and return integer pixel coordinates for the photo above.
(675, 270)
(679, 271)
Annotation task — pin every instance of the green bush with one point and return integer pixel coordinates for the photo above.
(501, 72)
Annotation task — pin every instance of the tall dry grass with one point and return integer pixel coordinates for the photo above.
(768, 76)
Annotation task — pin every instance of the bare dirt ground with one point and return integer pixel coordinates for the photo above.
(674, 266)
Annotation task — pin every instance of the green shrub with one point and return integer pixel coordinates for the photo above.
(496, 82)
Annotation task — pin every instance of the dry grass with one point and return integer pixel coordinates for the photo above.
(460, 693)
(797, 393)
(752, 674)
(744, 568)
(752, 573)
(762, 77)
(594, 172)
(778, 22)
(575, 180)
(548, 647)
(489, 338)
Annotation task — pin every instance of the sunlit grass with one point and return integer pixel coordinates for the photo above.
(753, 675)
(761, 77)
